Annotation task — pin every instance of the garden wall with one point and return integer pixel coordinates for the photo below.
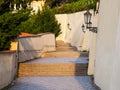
(32, 47)
(8, 68)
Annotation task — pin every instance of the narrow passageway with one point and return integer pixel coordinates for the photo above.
(65, 69)
(54, 83)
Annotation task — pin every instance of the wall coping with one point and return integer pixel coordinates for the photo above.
(7, 51)
(37, 35)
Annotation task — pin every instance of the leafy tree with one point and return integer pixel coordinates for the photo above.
(76, 6)
(4, 6)
(56, 3)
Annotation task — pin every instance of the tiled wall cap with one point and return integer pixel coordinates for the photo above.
(8, 51)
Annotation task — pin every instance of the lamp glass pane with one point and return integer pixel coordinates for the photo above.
(87, 17)
(90, 24)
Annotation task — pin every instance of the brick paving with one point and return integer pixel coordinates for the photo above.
(54, 83)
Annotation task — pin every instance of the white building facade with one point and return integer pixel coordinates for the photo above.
(107, 61)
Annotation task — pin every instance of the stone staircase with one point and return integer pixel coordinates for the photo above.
(62, 43)
(53, 69)
(61, 46)
(66, 61)
(65, 48)
(60, 54)
(62, 50)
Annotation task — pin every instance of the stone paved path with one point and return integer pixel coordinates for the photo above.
(54, 83)
(59, 60)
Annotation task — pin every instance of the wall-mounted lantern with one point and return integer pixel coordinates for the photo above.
(87, 20)
(68, 25)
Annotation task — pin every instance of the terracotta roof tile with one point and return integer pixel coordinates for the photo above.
(8, 51)
(23, 34)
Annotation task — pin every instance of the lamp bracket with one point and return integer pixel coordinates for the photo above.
(93, 29)
(68, 26)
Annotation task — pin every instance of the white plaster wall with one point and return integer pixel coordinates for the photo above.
(108, 50)
(73, 34)
(33, 47)
(8, 68)
(92, 54)
(62, 19)
(86, 41)
(92, 49)
(75, 20)
(115, 80)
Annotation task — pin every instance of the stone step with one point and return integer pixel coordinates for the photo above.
(60, 54)
(63, 48)
(62, 43)
(54, 67)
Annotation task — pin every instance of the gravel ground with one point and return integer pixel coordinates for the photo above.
(59, 60)
(54, 83)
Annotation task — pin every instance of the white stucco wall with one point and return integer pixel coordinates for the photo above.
(92, 49)
(33, 46)
(8, 68)
(115, 81)
(62, 19)
(107, 62)
(86, 41)
(92, 53)
(73, 34)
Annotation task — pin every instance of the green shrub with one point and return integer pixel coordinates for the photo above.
(43, 22)
(8, 27)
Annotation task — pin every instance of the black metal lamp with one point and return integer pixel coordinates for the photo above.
(87, 19)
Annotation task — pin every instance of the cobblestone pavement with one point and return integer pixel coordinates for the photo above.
(54, 83)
